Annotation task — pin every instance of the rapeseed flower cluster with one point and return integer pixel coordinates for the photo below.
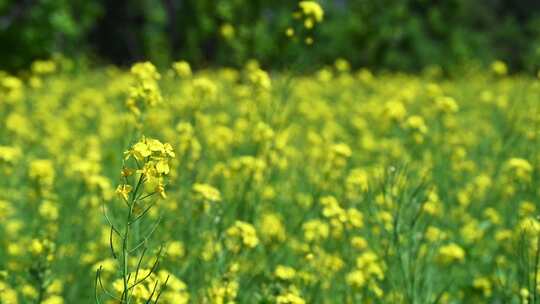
(309, 13)
(144, 91)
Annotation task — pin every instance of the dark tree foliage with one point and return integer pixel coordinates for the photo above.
(382, 34)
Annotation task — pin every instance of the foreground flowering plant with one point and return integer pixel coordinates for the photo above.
(146, 164)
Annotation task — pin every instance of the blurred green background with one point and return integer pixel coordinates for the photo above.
(404, 35)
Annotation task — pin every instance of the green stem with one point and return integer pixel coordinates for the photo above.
(125, 255)
(125, 243)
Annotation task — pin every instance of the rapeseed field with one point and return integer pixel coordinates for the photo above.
(249, 186)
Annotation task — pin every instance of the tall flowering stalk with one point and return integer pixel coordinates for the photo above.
(146, 164)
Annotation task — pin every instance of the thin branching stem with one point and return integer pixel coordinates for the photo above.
(153, 292)
(96, 296)
(142, 213)
(162, 288)
(148, 235)
(108, 293)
